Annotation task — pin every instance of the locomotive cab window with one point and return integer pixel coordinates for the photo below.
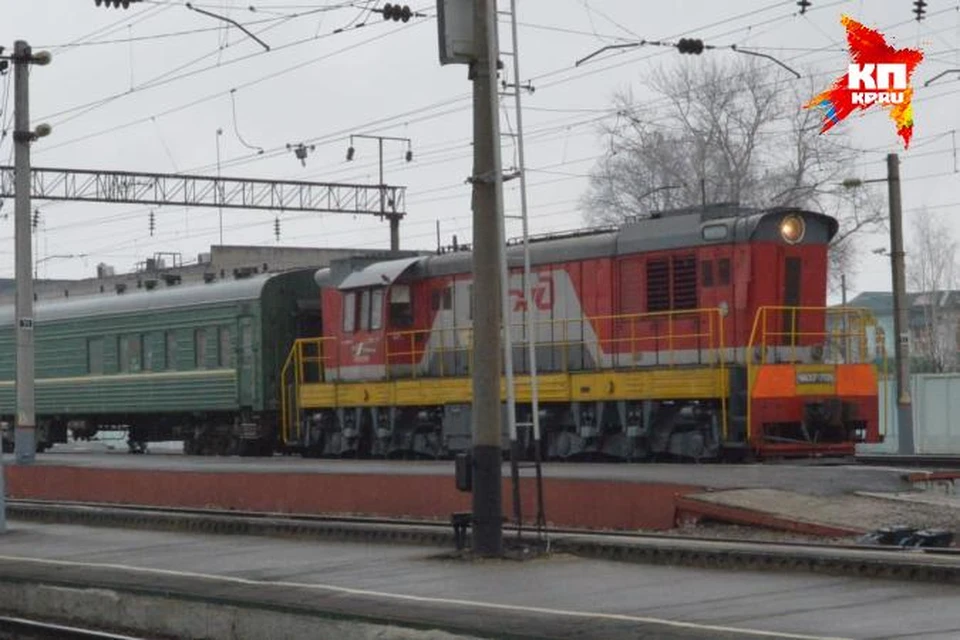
(376, 309)
(401, 306)
(365, 310)
(349, 312)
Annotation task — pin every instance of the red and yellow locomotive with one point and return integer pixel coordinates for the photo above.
(698, 333)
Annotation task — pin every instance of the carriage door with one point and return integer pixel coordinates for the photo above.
(791, 298)
(246, 363)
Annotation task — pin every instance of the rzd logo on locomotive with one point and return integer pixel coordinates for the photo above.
(542, 295)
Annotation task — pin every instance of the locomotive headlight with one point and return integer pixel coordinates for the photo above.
(792, 229)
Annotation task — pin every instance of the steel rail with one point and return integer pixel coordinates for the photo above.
(570, 533)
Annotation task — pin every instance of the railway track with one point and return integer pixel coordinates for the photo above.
(24, 629)
(408, 530)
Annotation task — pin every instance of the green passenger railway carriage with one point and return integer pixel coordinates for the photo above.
(197, 363)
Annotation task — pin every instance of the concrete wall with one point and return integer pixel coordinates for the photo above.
(936, 398)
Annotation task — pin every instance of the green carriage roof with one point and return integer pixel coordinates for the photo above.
(145, 301)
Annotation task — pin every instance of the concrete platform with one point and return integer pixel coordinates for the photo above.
(194, 586)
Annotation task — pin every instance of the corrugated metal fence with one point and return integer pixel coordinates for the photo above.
(936, 399)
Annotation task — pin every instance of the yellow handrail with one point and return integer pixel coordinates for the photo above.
(295, 363)
(616, 338)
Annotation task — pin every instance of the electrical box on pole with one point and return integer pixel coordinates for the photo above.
(456, 26)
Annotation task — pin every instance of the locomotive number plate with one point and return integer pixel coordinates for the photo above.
(815, 378)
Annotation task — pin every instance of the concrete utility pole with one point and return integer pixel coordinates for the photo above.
(487, 184)
(393, 217)
(901, 326)
(25, 428)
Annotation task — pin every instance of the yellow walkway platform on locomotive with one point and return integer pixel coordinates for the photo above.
(663, 384)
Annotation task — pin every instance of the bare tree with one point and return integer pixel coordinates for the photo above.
(932, 274)
(731, 131)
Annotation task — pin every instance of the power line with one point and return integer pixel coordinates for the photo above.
(213, 96)
(169, 76)
(196, 102)
(751, 14)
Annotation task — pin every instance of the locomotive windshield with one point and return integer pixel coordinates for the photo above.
(401, 306)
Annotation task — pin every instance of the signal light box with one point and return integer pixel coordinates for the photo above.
(455, 20)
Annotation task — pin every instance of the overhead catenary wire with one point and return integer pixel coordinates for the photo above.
(196, 102)
(171, 75)
(920, 142)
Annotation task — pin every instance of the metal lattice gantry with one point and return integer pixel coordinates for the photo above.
(86, 185)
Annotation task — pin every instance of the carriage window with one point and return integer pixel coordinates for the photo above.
(376, 309)
(95, 355)
(658, 285)
(349, 312)
(200, 348)
(129, 353)
(170, 348)
(226, 352)
(448, 298)
(147, 344)
(723, 271)
(365, 310)
(706, 268)
(435, 300)
(123, 354)
(401, 306)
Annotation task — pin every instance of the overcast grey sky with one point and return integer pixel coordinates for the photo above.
(158, 81)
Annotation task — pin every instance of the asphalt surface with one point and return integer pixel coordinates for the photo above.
(802, 477)
(558, 597)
